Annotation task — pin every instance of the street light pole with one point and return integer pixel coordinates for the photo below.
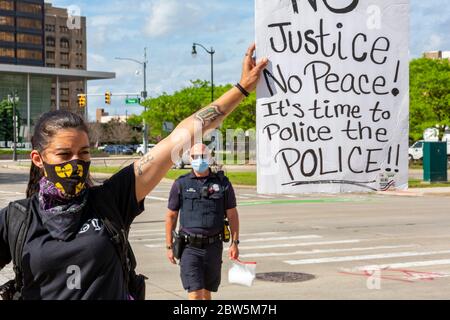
(212, 75)
(13, 98)
(15, 130)
(144, 96)
(144, 93)
(211, 52)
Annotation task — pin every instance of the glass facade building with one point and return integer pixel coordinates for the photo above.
(22, 32)
(25, 69)
(40, 87)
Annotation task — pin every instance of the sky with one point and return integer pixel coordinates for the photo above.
(169, 27)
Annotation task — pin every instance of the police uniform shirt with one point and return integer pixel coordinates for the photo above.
(174, 203)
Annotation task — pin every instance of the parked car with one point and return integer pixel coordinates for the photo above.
(118, 149)
(183, 161)
(140, 150)
(135, 147)
(416, 151)
(125, 150)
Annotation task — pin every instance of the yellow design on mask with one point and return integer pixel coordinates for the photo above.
(79, 187)
(60, 187)
(64, 172)
(80, 170)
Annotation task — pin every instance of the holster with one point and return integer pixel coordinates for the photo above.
(179, 243)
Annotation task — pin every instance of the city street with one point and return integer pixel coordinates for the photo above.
(337, 242)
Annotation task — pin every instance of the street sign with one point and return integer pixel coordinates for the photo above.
(132, 101)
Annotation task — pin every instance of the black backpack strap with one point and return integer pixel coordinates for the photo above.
(118, 232)
(120, 240)
(18, 221)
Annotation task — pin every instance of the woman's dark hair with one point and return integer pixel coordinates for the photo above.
(46, 128)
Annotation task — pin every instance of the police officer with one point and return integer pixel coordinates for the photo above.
(202, 198)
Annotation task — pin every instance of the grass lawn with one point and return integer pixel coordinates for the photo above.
(237, 178)
(416, 183)
(10, 152)
(110, 170)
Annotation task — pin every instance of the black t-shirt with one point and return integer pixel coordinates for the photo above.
(87, 265)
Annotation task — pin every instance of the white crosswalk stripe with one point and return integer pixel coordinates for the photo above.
(163, 195)
(261, 196)
(143, 235)
(298, 244)
(319, 251)
(245, 196)
(310, 236)
(6, 274)
(148, 231)
(405, 265)
(365, 257)
(156, 198)
(327, 251)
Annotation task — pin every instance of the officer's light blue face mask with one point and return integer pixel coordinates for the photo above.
(200, 165)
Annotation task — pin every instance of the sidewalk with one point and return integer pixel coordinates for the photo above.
(418, 192)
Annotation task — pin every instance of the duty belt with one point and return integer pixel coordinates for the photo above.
(199, 240)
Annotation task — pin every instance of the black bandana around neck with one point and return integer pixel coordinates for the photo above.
(62, 197)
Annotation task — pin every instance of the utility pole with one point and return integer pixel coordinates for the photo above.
(144, 93)
(144, 96)
(13, 99)
(211, 53)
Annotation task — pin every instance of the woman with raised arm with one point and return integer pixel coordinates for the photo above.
(69, 238)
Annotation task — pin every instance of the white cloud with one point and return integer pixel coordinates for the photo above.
(96, 58)
(102, 30)
(435, 42)
(430, 22)
(167, 16)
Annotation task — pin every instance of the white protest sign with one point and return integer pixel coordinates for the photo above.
(333, 104)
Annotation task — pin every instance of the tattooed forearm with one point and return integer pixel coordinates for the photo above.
(208, 115)
(145, 159)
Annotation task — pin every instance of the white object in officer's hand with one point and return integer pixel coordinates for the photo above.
(242, 273)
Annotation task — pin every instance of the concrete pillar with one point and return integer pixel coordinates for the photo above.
(28, 134)
(87, 101)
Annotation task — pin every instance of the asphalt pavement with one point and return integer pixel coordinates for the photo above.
(347, 246)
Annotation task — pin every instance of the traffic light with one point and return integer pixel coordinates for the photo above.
(82, 100)
(108, 97)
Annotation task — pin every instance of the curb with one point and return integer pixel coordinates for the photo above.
(419, 192)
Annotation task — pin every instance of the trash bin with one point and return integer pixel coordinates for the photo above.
(435, 161)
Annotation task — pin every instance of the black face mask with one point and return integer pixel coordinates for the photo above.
(69, 177)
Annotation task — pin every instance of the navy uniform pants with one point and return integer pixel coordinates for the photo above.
(201, 268)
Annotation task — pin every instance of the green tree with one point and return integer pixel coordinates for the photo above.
(6, 121)
(135, 121)
(430, 95)
(181, 104)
